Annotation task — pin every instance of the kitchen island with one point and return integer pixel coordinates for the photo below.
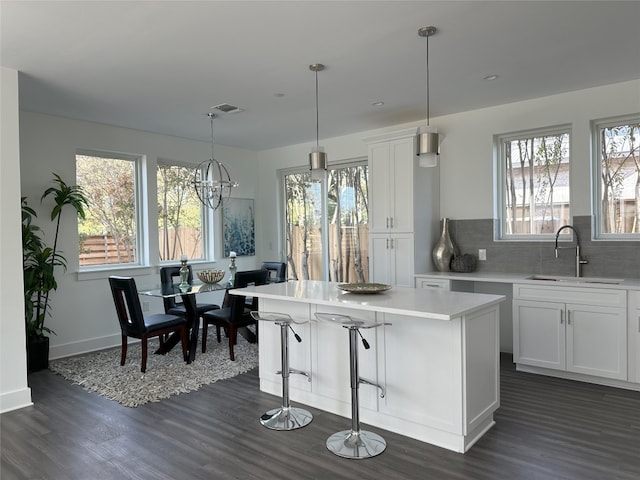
(438, 361)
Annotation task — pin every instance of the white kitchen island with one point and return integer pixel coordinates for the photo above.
(438, 361)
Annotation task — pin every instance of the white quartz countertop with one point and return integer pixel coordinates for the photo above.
(497, 277)
(434, 304)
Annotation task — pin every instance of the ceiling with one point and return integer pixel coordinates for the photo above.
(159, 66)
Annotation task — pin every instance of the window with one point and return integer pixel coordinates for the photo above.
(616, 160)
(347, 237)
(180, 214)
(109, 233)
(533, 190)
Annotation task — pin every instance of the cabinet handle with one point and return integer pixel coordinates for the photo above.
(387, 244)
(387, 222)
(561, 316)
(392, 243)
(391, 222)
(568, 317)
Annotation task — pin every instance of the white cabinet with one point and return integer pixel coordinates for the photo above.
(391, 186)
(584, 334)
(393, 255)
(403, 209)
(634, 337)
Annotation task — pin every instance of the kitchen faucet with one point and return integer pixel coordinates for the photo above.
(579, 261)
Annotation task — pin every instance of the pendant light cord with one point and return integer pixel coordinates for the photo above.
(317, 114)
(427, 81)
(211, 115)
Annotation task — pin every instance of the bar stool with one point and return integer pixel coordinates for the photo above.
(285, 417)
(355, 443)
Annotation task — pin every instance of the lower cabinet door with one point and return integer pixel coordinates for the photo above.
(597, 341)
(539, 334)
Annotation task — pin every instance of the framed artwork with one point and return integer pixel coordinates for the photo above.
(238, 227)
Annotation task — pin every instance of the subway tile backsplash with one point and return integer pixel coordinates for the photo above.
(606, 259)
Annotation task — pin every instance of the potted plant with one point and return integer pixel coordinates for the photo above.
(40, 263)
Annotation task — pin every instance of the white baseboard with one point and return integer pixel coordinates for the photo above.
(84, 346)
(16, 399)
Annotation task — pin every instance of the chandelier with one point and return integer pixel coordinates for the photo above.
(211, 179)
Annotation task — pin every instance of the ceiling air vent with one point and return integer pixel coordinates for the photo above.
(227, 108)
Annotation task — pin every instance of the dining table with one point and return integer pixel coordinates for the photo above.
(188, 294)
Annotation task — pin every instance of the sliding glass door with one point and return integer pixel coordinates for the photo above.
(326, 224)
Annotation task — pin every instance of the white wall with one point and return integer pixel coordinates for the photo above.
(466, 168)
(83, 315)
(14, 392)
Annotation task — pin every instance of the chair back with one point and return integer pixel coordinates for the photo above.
(241, 280)
(277, 271)
(167, 275)
(127, 302)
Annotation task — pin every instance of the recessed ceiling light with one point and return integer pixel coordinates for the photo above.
(377, 104)
(490, 77)
(278, 95)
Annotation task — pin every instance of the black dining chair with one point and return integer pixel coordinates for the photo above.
(277, 271)
(134, 324)
(173, 305)
(234, 314)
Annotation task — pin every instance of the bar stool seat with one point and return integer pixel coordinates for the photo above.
(355, 443)
(285, 417)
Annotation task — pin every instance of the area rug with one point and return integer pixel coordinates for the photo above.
(166, 375)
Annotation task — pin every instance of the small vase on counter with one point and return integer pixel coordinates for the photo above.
(232, 268)
(184, 273)
(445, 249)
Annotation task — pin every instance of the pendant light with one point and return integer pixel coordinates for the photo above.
(317, 157)
(211, 180)
(428, 138)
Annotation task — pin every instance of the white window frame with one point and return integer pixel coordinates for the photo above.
(596, 183)
(499, 180)
(208, 223)
(141, 209)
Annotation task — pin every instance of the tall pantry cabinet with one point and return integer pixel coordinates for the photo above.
(404, 209)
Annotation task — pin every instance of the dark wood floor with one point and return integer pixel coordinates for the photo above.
(546, 429)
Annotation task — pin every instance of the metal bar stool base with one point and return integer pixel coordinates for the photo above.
(356, 445)
(286, 418)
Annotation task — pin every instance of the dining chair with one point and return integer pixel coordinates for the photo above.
(234, 314)
(277, 271)
(134, 324)
(173, 305)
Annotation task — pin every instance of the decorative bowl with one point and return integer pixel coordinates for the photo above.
(365, 288)
(211, 276)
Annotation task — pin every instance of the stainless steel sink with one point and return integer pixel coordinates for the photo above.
(558, 278)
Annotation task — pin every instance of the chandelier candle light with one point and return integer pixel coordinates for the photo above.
(428, 138)
(317, 157)
(211, 179)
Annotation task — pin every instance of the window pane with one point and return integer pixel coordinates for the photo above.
(619, 161)
(303, 221)
(348, 225)
(180, 214)
(536, 188)
(348, 234)
(108, 235)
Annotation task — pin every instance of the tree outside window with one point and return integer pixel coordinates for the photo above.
(108, 234)
(617, 205)
(534, 188)
(180, 214)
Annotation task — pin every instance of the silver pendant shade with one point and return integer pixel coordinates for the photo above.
(428, 138)
(211, 179)
(317, 157)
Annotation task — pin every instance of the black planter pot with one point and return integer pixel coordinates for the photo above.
(38, 353)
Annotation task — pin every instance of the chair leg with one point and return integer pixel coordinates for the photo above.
(218, 333)
(143, 341)
(205, 331)
(233, 334)
(123, 354)
(183, 337)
